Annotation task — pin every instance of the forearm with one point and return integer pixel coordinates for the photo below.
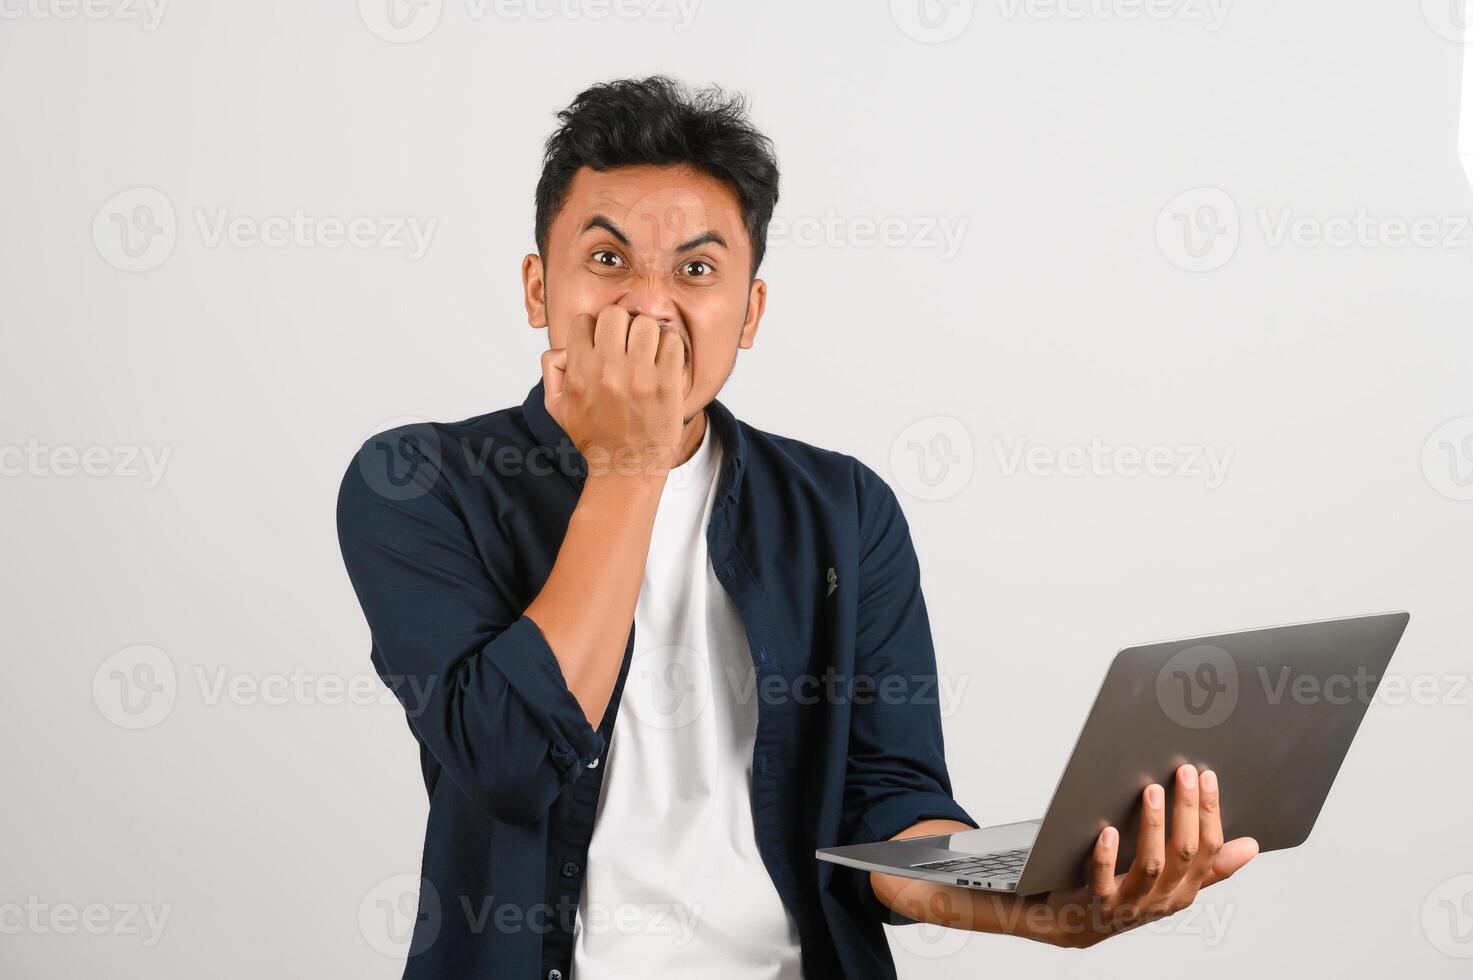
(938, 904)
(587, 604)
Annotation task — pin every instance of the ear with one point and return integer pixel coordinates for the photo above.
(534, 291)
(756, 304)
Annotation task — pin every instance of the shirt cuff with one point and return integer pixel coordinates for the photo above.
(889, 817)
(531, 669)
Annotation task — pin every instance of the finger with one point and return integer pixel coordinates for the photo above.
(1181, 852)
(1150, 848)
(1102, 863)
(554, 373)
(611, 331)
(669, 360)
(1209, 828)
(580, 334)
(1234, 854)
(644, 339)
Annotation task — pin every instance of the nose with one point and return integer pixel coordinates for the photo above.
(651, 296)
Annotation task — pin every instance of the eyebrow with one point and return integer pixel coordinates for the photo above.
(705, 238)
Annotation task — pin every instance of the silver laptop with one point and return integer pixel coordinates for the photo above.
(1272, 711)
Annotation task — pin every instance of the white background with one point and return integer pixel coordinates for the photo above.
(1061, 136)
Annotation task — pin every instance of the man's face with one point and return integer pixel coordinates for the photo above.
(666, 242)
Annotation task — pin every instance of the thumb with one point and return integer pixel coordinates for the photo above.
(1234, 854)
(554, 372)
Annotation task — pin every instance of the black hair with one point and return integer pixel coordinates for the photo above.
(658, 121)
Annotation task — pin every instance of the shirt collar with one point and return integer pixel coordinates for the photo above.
(570, 462)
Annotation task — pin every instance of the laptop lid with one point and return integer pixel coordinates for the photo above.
(1272, 711)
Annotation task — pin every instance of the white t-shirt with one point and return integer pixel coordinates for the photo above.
(675, 885)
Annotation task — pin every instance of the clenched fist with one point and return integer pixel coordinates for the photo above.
(618, 391)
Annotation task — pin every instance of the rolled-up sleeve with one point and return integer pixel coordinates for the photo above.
(896, 772)
(482, 689)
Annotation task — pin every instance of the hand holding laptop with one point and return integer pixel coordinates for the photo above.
(1176, 857)
(1275, 708)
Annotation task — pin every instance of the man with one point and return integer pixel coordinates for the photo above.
(661, 655)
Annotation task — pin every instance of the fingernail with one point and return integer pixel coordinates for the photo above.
(1209, 781)
(1153, 795)
(1189, 777)
(1107, 837)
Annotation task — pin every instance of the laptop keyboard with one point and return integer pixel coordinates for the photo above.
(1002, 864)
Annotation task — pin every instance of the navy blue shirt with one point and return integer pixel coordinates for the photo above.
(449, 531)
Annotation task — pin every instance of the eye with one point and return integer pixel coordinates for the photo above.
(697, 269)
(608, 259)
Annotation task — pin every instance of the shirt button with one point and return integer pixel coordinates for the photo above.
(593, 764)
(570, 870)
(554, 975)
